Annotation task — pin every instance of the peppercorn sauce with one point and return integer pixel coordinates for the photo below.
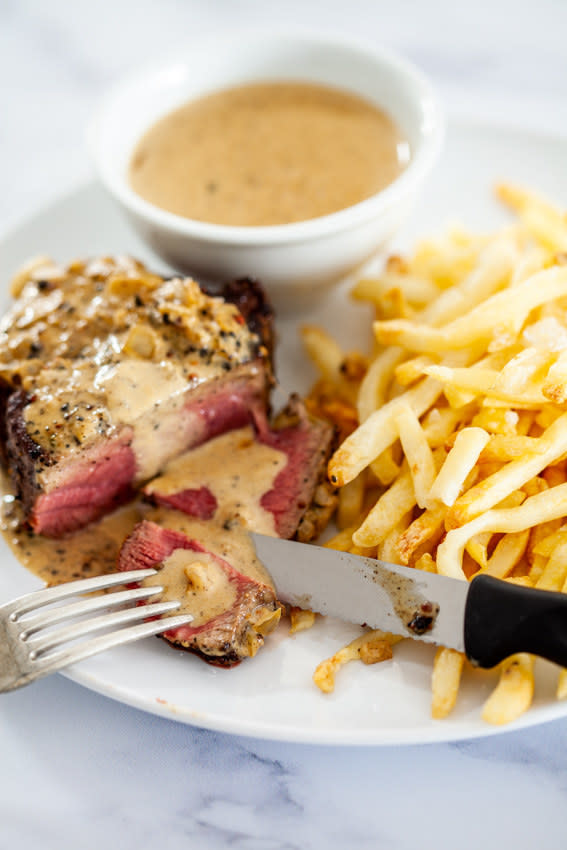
(267, 154)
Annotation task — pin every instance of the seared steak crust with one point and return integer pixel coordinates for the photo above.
(247, 294)
(23, 455)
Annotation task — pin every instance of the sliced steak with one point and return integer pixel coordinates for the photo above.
(113, 372)
(199, 482)
(233, 610)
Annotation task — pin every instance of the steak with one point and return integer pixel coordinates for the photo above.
(302, 445)
(233, 610)
(109, 371)
(115, 381)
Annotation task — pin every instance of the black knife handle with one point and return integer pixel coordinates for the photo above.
(503, 618)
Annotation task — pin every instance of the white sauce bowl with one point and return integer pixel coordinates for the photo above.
(296, 262)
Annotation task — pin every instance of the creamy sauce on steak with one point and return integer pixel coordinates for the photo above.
(236, 469)
(267, 154)
(197, 581)
(105, 345)
(218, 464)
(102, 344)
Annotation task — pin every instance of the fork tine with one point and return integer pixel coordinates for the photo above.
(38, 598)
(40, 643)
(56, 660)
(33, 622)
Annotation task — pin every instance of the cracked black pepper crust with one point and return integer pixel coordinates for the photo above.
(90, 315)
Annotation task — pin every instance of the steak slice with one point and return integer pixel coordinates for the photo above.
(112, 371)
(233, 610)
(196, 482)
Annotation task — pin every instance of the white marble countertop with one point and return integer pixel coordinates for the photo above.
(78, 770)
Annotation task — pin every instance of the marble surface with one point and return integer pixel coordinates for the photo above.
(78, 770)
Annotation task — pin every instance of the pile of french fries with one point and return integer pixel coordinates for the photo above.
(454, 429)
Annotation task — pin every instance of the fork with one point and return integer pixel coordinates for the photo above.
(35, 642)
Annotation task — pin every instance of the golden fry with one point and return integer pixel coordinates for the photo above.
(545, 506)
(425, 530)
(370, 647)
(300, 620)
(458, 464)
(507, 554)
(511, 477)
(418, 454)
(388, 510)
(445, 681)
(479, 324)
(514, 693)
(351, 500)
(378, 432)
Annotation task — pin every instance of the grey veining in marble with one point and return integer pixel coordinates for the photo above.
(95, 767)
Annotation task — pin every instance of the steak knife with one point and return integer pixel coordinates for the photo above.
(488, 619)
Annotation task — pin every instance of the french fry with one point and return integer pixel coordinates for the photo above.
(374, 386)
(426, 529)
(332, 363)
(447, 669)
(387, 512)
(477, 548)
(426, 563)
(505, 447)
(300, 620)
(323, 351)
(545, 506)
(378, 432)
(511, 477)
(561, 692)
(547, 545)
(458, 464)
(537, 566)
(388, 549)
(351, 500)
(555, 384)
(491, 271)
(471, 382)
(418, 454)
(342, 541)
(412, 370)
(497, 420)
(448, 259)
(554, 573)
(544, 221)
(507, 554)
(479, 324)
(417, 291)
(384, 467)
(440, 422)
(514, 693)
(371, 648)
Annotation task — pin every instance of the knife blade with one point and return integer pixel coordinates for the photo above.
(488, 619)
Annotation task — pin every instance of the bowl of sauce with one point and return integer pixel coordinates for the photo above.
(290, 158)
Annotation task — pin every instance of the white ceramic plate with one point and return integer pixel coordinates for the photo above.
(273, 695)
